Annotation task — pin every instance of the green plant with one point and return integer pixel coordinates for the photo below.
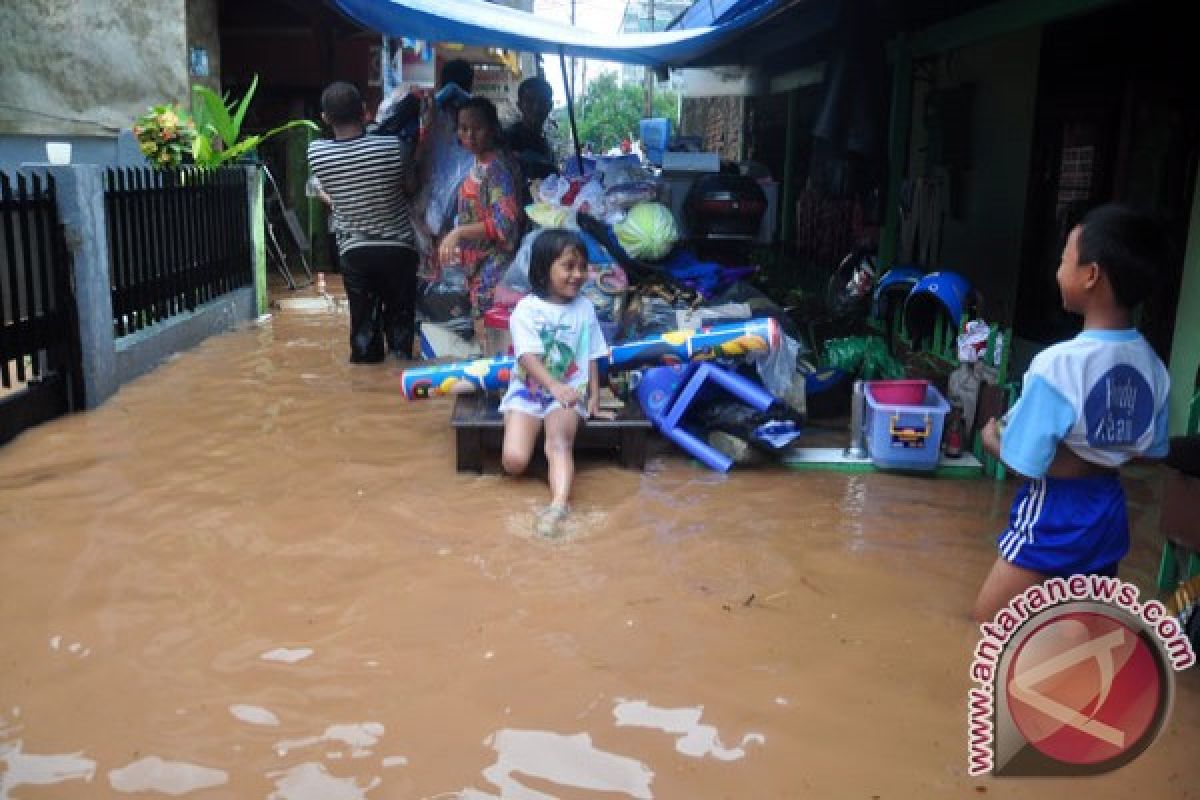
(165, 135)
(219, 126)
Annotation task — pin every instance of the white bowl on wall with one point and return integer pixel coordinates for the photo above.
(58, 152)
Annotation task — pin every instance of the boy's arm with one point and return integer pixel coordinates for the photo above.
(1041, 418)
(990, 435)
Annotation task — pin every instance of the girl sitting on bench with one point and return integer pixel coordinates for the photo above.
(556, 340)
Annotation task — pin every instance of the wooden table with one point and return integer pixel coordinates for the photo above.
(478, 424)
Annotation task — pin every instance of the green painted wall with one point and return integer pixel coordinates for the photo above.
(1185, 347)
(984, 243)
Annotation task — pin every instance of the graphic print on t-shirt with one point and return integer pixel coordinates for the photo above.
(558, 356)
(1119, 408)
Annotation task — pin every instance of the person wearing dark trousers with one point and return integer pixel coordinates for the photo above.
(365, 177)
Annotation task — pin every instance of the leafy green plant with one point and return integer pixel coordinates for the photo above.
(219, 126)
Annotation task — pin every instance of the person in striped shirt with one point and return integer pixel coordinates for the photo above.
(367, 179)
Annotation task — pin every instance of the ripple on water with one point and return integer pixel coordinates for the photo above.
(566, 759)
(694, 740)
(29, 769)
(311, 781)
(152, 774)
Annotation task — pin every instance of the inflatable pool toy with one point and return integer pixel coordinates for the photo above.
(673, 347)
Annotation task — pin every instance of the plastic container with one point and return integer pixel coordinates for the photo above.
(906, 436)
(899, 393)
(497, 341)
(655, 132)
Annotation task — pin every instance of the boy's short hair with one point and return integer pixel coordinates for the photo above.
(1129, 245)
(535, 84)
(460, 72)
(341, 103)
(547, 247)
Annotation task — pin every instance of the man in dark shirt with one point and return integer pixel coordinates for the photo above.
(526, 139)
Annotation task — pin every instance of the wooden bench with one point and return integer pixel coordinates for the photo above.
(477, 424)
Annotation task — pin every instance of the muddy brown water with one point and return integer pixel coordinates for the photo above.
(254, 573)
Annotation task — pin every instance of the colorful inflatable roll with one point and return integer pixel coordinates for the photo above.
(674, 347)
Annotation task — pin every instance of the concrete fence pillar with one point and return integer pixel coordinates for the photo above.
(80, 193)
(258, 242)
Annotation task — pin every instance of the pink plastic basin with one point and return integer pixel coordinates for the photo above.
(898, 393)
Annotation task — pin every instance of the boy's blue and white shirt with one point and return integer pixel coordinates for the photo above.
(1103, 394)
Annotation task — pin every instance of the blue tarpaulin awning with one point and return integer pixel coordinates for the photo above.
(481, 23)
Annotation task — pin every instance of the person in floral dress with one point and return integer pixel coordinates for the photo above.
(487, 229)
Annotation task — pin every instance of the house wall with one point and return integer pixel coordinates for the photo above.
(82, 70)
(88, 67)
(984, 241)
(202, 32)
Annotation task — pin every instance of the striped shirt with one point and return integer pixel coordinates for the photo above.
(365, 178)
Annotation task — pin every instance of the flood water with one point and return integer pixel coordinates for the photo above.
(254, 573)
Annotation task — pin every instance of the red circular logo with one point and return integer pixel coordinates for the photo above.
(1085, 688)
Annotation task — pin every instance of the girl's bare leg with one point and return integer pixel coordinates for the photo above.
(561, 425)
(1003, 583)
(520, 436)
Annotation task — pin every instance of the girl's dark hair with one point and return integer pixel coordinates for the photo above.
(486, 109)
(547, 247)
(1129, 245)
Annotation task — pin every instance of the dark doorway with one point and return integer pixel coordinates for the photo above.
(1118, 119)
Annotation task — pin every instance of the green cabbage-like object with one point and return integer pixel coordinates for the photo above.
(648, 231)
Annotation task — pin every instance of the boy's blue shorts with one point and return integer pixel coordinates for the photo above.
(1067, 526)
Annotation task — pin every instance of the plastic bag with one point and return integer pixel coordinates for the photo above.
(628, 195)
(864, 355)
(447, 164)
(551, 189)
(545, 215)
(777, 370)
(447, 301)
(590, 199)
(973, 342)
(648, 231)
(605, 288)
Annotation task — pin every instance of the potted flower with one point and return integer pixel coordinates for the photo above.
(165, 135)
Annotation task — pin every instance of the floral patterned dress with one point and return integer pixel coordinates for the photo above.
(489, 195)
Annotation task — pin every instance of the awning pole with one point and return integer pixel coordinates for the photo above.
(562, 62)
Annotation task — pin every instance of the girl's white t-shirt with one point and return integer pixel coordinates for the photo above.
(566, 335)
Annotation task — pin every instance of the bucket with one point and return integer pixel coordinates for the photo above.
(937, 293)
(898, 393)
(893, 289)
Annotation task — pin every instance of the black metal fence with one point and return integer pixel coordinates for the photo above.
(177, 239)
(39, 335)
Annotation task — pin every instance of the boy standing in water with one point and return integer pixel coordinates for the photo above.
(1088, 405)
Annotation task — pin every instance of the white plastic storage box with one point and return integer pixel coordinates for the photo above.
(904, 436)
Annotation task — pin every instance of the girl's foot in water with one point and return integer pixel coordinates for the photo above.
(549, 524)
